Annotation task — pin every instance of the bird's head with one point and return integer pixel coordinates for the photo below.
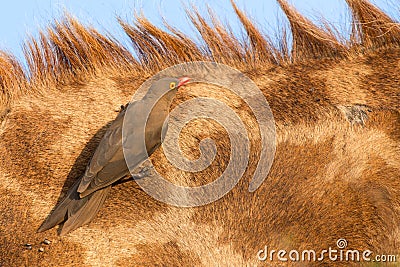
(166, 88)
(169, 84)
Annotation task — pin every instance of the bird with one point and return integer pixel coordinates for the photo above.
(108, 164)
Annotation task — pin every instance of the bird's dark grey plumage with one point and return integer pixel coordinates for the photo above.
(108, 164)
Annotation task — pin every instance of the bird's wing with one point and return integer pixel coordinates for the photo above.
(108, 163)
(105, 151)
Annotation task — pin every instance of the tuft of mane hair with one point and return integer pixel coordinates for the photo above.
(68, 50)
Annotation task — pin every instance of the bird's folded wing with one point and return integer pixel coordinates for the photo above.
(108, 147)
(114, 170)
(108, 163)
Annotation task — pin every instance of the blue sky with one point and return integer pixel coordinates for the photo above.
(20, 18)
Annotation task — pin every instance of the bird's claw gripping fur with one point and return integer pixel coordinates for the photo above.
(122, 108)
(357, 114)
(144, 172)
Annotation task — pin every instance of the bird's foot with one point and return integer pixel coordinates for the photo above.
(122, 108)
(357, 114)
(144, 172)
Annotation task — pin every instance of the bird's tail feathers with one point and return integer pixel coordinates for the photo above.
(75, 211)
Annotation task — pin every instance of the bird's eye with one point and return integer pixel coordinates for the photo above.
(172, 85)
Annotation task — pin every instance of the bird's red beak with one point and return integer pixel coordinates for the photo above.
(183, 81)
